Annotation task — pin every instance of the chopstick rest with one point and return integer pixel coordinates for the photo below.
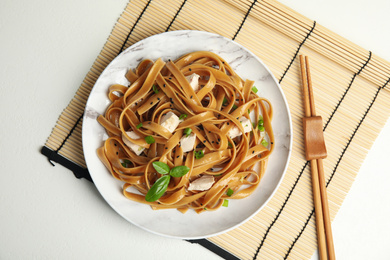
(314, 138)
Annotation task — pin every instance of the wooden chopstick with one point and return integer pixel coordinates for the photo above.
(323, 224)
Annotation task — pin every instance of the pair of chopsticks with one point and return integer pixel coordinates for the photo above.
(315, 151)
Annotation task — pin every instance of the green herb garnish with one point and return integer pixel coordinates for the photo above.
(139, 125)
(225, 203)
(234, 107)
(149, 139)
(229, 192)
(161, 167)
(187, 131)
(199, 154)
(160, 186)
(224, 101)
(260, 123)
(126, 163)
(264, 143)
(179, 171)
(254, 89)
(182, 116)
(155, 89)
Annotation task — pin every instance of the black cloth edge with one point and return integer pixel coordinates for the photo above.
(78, 171)
(214, 248)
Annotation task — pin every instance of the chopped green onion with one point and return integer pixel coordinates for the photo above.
(139, 125)
(224, 101)
(261, 128)
(199, 154)
(260, 123)
(229, 192)
(249, 111)
(234, 107)
(254, 89)
(126, 163)
(264, 143)
(149, 139)
(187, 131)
(182, 116)
(230, 145)
(155, 89)
(225, 203)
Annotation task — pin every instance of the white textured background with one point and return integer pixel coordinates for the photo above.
(46, 49)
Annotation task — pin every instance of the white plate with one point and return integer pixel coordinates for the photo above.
(172, 223)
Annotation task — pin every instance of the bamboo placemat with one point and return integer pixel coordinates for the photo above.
(352, 95)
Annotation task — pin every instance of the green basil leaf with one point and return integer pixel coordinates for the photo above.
(161, 167)
(158, 188)
(179, 171)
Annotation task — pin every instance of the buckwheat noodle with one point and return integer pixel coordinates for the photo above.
(222, 101)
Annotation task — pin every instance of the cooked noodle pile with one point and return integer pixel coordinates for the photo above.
(194, 112)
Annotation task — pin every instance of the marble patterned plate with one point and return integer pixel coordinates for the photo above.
(172, 223)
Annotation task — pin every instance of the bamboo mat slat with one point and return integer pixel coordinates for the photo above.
(352, 96)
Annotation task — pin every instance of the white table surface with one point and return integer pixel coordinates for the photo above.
(46, 49)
